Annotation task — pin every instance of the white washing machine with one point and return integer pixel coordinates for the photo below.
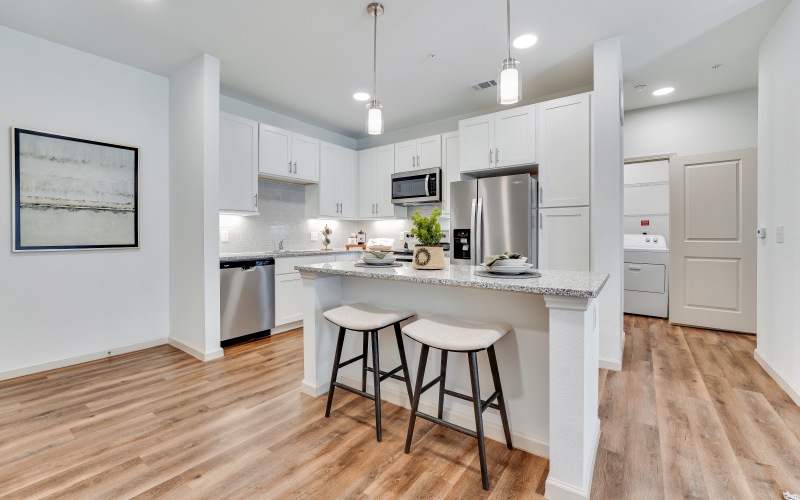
(646, 276)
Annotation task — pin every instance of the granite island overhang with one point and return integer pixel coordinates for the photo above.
(548, 363)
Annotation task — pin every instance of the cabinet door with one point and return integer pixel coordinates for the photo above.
(305, 158)
(238, 164)
(565, 151)
(346, 182)
(429, 152)
(328, 206)
(564, 241)
(476, 141)
(405, 156)
(367, 170)
(288, 298)
(274, 146)
(383, 181)
(515, 137)
(451, 171)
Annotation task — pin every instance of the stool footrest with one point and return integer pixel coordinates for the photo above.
(449, 425)
(352, 360)
(354, 390)
(484, 404)
(391, 374)
(431, 384)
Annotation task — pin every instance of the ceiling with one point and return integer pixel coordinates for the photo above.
(306, 59)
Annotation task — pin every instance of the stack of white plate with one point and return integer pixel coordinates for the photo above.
(509, 266)
(374, 261)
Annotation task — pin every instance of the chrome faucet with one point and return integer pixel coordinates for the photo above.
(280, 245)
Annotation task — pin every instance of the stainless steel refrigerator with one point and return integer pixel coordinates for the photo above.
(491, 216)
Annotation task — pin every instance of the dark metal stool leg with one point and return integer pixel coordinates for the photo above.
(377, 377)
(476, 396)
(336, 359)
(402, 350)
(364, 362)
(423, 359)
(443, 374)
(501, 402)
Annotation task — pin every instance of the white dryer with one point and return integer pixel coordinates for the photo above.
(646, 276)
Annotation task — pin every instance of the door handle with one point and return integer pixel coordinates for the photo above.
(472, 229)
(479, 237)
(427, 193)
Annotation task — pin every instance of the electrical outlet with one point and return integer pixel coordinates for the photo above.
(223, 236)
(313, 235)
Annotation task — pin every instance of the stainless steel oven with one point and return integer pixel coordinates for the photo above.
(417, 187)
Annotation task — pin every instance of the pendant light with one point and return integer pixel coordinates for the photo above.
(374, 108)
(509, 91)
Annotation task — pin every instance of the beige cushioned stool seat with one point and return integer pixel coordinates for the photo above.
(364, 317)
(451, 334)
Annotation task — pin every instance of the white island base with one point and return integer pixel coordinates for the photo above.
(548, 363)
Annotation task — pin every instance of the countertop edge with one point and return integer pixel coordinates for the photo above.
(277, 255)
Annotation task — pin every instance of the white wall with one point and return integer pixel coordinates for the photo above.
(647, 198)
(194, 205)
(778, 203)
(57, 308)
(606, 210)
(713, 124)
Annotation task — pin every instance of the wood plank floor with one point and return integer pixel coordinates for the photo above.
(691, 415)
(158, 423)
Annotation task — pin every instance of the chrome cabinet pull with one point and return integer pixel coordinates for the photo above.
(490, 157)
(417, 160)
(255, 200)
(295, 167)
(541, 194)
(290, 167)
(376, 208)
(496, 156)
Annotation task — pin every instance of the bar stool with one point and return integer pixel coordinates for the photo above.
(367, 319)
(453, 335)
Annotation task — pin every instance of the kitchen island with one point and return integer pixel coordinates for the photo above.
(548, 362)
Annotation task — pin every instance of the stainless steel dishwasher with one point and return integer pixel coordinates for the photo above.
(247, 299)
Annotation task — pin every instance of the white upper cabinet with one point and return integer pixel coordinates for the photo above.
(375, 169)
(337, 182)
(425, 152)
(288, 156)
(498, 140)
(565, 151)
(451, 171)
(238, 164)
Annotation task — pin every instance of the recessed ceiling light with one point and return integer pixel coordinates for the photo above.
(361, 96)
(525, 41)
(664, 91)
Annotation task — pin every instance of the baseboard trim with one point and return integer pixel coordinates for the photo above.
(202, 356)
(558, 490)
(793, 392)
(287, 327)
(83, 358)
(312, 390)
(611, 364)
(492, 431)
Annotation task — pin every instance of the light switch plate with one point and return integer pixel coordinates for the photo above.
(223, 236)
(779, 234)
(313, 235)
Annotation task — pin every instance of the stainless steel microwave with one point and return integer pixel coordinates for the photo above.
(417, 187)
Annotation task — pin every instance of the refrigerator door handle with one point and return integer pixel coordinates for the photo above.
(472, 230)
(479, 236)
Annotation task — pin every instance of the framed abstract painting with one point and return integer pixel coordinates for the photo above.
(72, 194)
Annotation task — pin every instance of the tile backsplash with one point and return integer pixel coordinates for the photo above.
(282, 217)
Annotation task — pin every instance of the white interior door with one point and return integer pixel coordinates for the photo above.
(713, 241)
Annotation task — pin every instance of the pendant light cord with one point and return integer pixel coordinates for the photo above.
(375, 56)
(508, 15)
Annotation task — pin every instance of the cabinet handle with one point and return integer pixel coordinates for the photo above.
(376, 208)
(541, 221)
(290, 167)
(255, 200)
(490, 158)
(295, 167)
(541, 194)
(417, 160)
(341, 208)
(496, 156)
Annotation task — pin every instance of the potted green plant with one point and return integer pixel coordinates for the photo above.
(429, 254)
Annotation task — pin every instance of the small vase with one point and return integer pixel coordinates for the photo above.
(428, 257)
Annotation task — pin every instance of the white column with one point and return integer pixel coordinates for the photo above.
(320, 293)
(607, 186)
(574, 367)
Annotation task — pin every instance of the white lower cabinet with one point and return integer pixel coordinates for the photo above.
(289, 288)
(564, 239)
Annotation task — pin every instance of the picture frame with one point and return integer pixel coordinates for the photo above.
(70, 193)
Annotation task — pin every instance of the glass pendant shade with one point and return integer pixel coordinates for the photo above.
(509, 90)
(374, 118)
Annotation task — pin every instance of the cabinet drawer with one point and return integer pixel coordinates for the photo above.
(645, 277)
(285, 265)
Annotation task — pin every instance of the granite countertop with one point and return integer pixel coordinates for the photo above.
(235, 257)
(564, 283)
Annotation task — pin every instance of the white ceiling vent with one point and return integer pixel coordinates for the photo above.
(484, 85)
